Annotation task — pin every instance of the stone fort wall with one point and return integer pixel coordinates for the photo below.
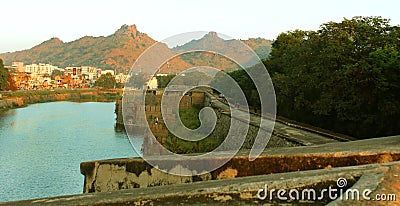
(197, 98)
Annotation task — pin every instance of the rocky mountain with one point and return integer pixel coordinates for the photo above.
(120, 50)
(234, 49)
(261, 46)
(116, 51)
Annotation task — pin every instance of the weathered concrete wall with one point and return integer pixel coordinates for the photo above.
(127, 174)
(153, 110)
(378, 178)
(110, 175)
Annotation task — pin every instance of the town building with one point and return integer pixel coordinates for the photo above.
(21, 80)
(152, 84)
(41, 76)
(89, 73)
(121, 78)
(41, 69)
(18, 66)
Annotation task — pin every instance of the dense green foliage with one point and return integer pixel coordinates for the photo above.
(248, 87)
(189, 117)
(3, 76)
(56, 73)
(163, 81)
(344, 77)
(106, 81)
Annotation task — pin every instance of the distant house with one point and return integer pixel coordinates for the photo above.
(152, 84)
(40, 69)
(21, 80)
(121, 78)
(89, 72)
(64, 81)
(18, 66)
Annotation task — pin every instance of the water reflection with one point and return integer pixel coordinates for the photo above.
(42, 145)
(5, 114)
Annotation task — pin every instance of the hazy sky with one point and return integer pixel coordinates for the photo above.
(26, 23)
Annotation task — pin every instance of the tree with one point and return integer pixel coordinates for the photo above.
(11, 85)
(343, 77)
(106, 81)
(164, 80)
(3, 76)
(56, 73)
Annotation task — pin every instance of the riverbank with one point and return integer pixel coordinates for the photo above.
(18, 99)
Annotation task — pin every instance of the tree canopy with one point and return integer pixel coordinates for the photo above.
(164, 80)
(106, 81)
(344, 77)
(3, 76)
(56, 73)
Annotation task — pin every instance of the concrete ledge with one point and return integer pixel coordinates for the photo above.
(117, 174)
(238, 191)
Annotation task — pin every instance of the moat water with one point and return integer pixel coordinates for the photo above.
(42, 145)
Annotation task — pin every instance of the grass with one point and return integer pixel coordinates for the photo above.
(43, 92)
(108, 96)
(189, 118)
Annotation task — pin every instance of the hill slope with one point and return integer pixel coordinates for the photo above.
(120, 50)
(232, 48)
(116, 51)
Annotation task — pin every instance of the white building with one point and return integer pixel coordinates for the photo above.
(88, 70)
(153, 83)
(18, 66)
(77, 72)
(41, 68)
(121, 78)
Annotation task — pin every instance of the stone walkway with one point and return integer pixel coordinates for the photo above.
(285, 131)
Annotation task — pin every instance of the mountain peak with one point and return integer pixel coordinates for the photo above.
(211, 34)
(56, 39)
(127, 29)
(53, 42)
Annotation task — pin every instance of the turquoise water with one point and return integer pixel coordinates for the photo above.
(42, 145)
